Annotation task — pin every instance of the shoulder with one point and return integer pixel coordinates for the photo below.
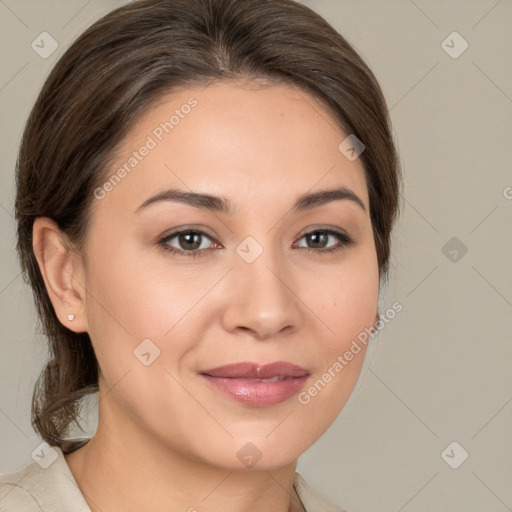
(45, 485)
(312, 500)
(14, 497)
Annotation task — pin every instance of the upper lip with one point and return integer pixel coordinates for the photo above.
(255, 370)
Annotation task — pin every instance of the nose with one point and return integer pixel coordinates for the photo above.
(263, 298)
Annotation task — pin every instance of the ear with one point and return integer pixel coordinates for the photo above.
(63, 273)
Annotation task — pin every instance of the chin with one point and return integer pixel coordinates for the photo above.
(259, 453)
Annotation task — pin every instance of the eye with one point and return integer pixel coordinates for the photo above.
(190, 240)
(320, 237)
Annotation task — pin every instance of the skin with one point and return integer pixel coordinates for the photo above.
(261, 147)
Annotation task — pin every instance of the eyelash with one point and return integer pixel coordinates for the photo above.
(345, 241)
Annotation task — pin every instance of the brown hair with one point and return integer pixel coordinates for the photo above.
(111, 74)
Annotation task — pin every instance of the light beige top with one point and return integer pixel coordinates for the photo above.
(54, 489)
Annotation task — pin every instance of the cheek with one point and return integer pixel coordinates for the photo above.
(346, 304)
(132, 299)
(119, 306)
(346, 298)
(125, 292)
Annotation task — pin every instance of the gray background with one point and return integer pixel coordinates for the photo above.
(440, 371)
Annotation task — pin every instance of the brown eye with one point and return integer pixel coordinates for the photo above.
(189, 242)
(318, 240)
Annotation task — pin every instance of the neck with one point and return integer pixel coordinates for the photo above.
(116, 473)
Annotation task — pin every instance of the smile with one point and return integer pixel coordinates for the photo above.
(257, 385)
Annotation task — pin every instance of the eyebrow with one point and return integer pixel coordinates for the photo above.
(224, 205)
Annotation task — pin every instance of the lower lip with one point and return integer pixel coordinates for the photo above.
(257, 393)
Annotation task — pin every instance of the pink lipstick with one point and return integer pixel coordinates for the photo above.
(255, 384)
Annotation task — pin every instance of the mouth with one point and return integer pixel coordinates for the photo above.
(257, 385)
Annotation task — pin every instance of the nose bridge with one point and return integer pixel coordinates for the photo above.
(265, 303)
(261, 270)
(265, 276)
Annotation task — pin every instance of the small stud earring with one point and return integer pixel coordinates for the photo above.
(71, 317)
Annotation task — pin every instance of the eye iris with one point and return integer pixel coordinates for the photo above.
(318, 236)
(192, 239)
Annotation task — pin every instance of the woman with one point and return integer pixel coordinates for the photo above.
(205, 196)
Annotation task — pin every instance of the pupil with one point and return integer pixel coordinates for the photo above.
(186, 239)
(318, 235)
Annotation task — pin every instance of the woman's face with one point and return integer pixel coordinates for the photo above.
(252, 283)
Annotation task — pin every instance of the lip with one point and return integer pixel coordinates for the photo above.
(242, 381)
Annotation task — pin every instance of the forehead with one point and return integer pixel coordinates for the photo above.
(232, 140)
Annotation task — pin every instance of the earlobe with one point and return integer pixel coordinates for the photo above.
(62, 272)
